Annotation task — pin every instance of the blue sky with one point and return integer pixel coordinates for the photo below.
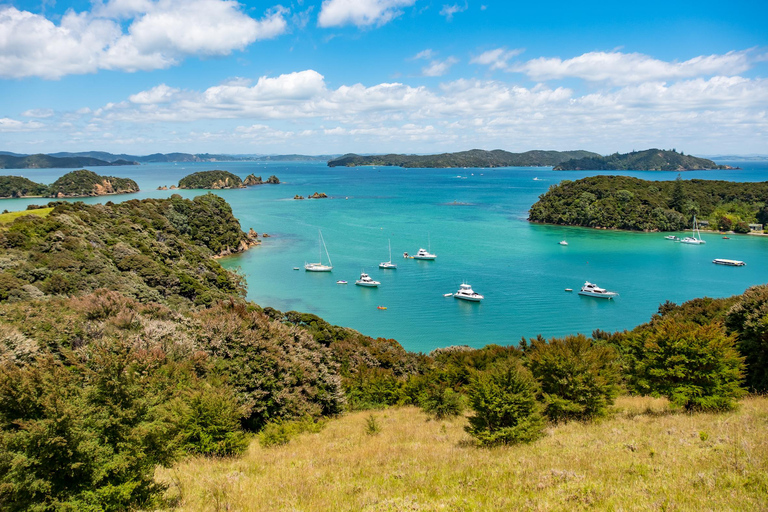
(421, 76)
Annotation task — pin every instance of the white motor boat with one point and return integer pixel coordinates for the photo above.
(467, 293)
(563, 242)
(388, 264)
(319, 266)
(671, 237)
(695, 239)
(592, 290)
(423, 254)
(365, 280)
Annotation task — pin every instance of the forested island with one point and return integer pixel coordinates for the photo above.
(648, 160)
(65, 160)
(472, 158)
(623, 202)
(82, 183)
(41, 161)
(125, 347)
(217, 180)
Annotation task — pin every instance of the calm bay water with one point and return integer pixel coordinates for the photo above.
(475, 221)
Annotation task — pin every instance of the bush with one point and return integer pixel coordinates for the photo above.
(578, 377)
(695, 366)
(748, 319)
(279, 433)
(504, 401)
(441, 401)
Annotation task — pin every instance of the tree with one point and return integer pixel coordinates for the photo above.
(695, 366)
(504, 401)
(578, 377)
(748, 319)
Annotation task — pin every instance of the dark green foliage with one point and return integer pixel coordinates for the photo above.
(372, 426)
(648, 160)
(15, 186)
(623, 202)
(505, 408)
(472, 158)
(748, 319)
(211, 180)
(87, 183)
(441, 401)
(578, 377)
(695, 366)
(48, 162)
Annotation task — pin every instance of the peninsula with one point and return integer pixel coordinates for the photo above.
(10, 161)
(647, 160)
(623, 202)
(82, 183)
(471, 158)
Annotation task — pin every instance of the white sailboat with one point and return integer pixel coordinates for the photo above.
(388, 264)
(319, 267)
(696, 238)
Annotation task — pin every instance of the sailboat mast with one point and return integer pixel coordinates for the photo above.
(326, 252)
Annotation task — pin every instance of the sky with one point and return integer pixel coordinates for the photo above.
(381, 76)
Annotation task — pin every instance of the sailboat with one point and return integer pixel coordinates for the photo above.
(319, 267)
(696, 238)
(388, 264)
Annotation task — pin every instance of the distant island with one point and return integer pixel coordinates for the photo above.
(217, 180)
(471, 158)
(623, 202)
(82, 183)
(648, 160)
(66, 160)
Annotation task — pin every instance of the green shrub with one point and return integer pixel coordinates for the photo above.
(441, 401)
(695, 366)
(505, 408)
(279, 433)
(579, 378)
(748, 319)
(372, 426)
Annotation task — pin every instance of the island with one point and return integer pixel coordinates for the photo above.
(647, 160)
(40, 161)
(82, 183)
(623, 202)
(252, 179)
(317, 195)
(471, 158)
(215, 180)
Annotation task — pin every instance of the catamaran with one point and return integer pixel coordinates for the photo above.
(319, 267)
(696, 238)
(388, 264)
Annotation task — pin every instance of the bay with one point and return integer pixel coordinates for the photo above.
(474, 220)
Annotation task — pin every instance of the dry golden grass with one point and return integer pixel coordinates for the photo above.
(642, 458)
(9, 217)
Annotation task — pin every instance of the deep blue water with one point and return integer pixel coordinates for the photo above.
(475, 222)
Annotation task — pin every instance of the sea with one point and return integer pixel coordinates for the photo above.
(474, 220)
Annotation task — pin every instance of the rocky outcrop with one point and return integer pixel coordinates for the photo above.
(318, 195)
(297, 196)
(272, 180)
(251, 180)
(251, 240)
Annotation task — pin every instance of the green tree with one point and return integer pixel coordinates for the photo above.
(678, 198)
(579, 378)
(748, 319)
(695, 366)
(505, 408)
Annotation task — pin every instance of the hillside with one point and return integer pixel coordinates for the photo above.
(623, 202)
(212, 180)
(84, 183)
(472, 158)
(50, 162)
(648, 160)
(16, 186)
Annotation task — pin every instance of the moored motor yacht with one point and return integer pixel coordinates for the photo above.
(592, 290)
(467, 293)
(365, 280)
(423, 254)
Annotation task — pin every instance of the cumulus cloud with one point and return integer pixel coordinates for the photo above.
(627, 68)
(13, 125)
(449, 10)
(158, 94)
(439, 67)
(362, 13)
(159, 34)
(39, 113)
(424, 54)
(497, 58)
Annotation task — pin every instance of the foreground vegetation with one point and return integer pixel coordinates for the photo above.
(623, 202)
(125, 347)
(82, 183)
(648, 160)
(644, 457)
(472, 158)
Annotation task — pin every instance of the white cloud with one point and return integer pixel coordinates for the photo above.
(362, 13)
(424, 54)
(39, 113)
(627, 68)
(158, 94)
(12, 125)
(159, 35)
(439, 67)
(497, 58)
(449, 10)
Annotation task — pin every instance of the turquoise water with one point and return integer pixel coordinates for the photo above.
(475, 222)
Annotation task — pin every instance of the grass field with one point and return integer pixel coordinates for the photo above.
(644, 457)
(6, 218)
